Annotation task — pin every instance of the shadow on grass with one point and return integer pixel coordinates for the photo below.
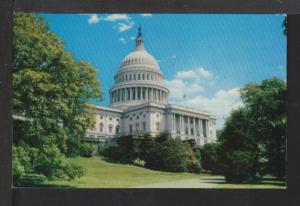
(36, 181)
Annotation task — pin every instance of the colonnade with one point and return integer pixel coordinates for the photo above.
(138, 93)
(189, 125)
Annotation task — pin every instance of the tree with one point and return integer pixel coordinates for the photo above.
(51, 91)
(209, 158)
(266, 107)
(238, 153)
(253, 141)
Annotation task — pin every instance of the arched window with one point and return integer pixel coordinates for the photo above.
(117, 129)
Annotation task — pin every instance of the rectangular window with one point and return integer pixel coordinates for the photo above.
(144, 126)
(130, 128)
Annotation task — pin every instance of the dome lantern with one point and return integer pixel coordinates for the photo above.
(139, 41)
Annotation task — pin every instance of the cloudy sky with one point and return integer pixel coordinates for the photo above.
(205, 58)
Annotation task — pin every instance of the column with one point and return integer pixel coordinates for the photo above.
(141, 93)
(172, 122)
(159, 95)
(146, 94)
(152, 94)
(125, 95)
(189, 128)
(194, 124)
(207, 128)
(201, 129)
(182, 124)
(136, 92)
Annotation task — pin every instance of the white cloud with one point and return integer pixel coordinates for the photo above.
(116, 17)
(187, 90)
(121, 39)
(93, 18)
(132, 38)
(195, 74)
(125, 26)
(178, 88)
(220, 105)
(146, 15)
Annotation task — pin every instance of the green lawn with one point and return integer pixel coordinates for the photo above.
(101, 174)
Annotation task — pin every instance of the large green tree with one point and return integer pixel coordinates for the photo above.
(51, 90)
(253, 140)
(266, 107)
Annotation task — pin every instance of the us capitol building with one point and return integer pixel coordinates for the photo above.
(139, 105)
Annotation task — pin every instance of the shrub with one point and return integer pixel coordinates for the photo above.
(209, 158)
(31, 164)
(193, 164)
(161, 153)
(238, 153)
(113, 153)
(169, 155)
(72, 171)
(239, 167)
(86, 150)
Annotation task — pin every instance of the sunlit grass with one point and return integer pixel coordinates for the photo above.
(102, 174)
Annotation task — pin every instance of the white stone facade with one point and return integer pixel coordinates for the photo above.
(139, 104)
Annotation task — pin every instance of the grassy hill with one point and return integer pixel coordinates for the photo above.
(102, 174)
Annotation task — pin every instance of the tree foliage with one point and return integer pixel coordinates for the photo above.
(51, 91)
(238, 152)
(253, 140)
(209, 157)
(266, 108)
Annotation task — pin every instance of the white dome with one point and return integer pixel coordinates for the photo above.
(140, 57)
(139, 79)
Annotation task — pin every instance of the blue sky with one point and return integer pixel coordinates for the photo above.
(207, 57)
